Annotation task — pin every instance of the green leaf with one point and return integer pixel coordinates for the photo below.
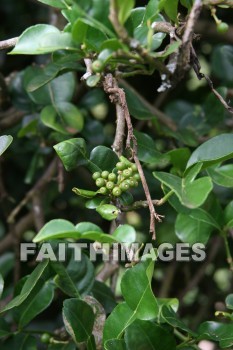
(83, 227)
(60, 65)
(115, 344)
(118, 321)
(191, 194)
(137, 107)
(147, 335)
(222, 176)
(192, 230)
(179, 157)
(76, 276)
(79, 319)
(171, 9)
(229, 301)
(125, 234)
(64, 281)
(137, 292)
(108, 211)
(93, 80)
(214, 109)
(140, 300)
(222, 63)
(89, 32)
(147, 149)
(64, 117)
(228, 215)
(28, 287)
(124, 9)
(72, 153)
(170, 317)
(213, 151)
(219, 332)
(5, 142)
(20, 341)
(34, 306)
(61, 4)
(60, 89)
(103, 158)
(84, 193)
(1, 285)
(41, 39)
(57, 228)
(104, 295)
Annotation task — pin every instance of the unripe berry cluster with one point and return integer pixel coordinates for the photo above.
(115, 183)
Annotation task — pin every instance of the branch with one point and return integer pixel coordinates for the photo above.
(10, 118)
(117, 95)
(6, 44)
(118, 143)
(41, 183)
(23, 224)
(218, 2)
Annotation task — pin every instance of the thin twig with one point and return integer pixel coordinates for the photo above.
(6, 44)
(117, 95)
(45, 178)
(37, 209)
(218, 2)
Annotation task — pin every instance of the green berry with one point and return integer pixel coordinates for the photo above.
(127, 172)
(134, 168)
(110, 185)
(105, 174)
(124, 186)
(135, 183)
(116, 191)
(97, 66)
(132, 182)
(112, 177)
(136, 177)
(222, 27)
(100, 182)
(96, 175)
(121, 166)
(45, 338)
(103, 190)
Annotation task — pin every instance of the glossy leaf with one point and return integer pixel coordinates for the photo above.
(103, 158)
(5, 142)
(104, 295)
(57, 228)
(72, 153)
(78, 318)
(125, 233)
(34, 306)
(124, 9)
(147, 149)
(61, 4)
(137, 292)
(120, 318)
(222, 176)
(219, 332)
(108, 211)
(148, 335)
(222, 62)
(190, 230)
(115, 344)
(191, 194)
(64, 281)
(229, 301)
(41, 39)
(213, 151)
(84, 193)
(170, 317)
(228, 215)
(28, 287)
